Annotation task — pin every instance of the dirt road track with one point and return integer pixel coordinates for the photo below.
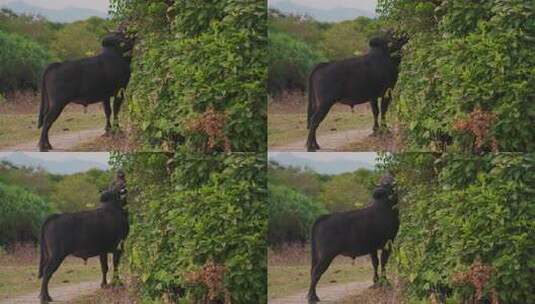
(61, 143)
(62, 294)
(328, 142)
(329, 294)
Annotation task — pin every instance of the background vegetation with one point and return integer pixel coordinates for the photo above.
(28, 196)
(297, 43)
(198, 226)
(296, 197)
(467, 226)
(467, 75)
(199, 74)
(29, 43)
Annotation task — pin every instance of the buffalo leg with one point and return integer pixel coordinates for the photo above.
(317, 272)
(385, 102)
(50, 268)
(317, 118)
(384, 259)
(104, 268)
(50, 118)
(116, 257)
(375, 110)
(117, 102)
(107, 111)
(375, 263)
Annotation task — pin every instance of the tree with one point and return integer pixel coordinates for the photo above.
(74, 193)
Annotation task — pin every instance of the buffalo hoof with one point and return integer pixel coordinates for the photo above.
(104, 285)
(312, 299)
(46, 299)
(312, 148)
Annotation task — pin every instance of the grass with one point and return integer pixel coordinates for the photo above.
(18, 272)
(287, 119)
(116, 295)
(18, 119)
(381, 295)
(289, 271)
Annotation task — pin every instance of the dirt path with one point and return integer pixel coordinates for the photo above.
(62, 142)
(328, 142)
(62, 294)
(330, 294)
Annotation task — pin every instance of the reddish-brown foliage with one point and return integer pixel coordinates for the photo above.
(479, 124)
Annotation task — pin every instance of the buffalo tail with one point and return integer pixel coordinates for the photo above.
(43, 109)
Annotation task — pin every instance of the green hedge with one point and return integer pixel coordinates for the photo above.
(467, 75)
(196, 216)
(21, 62)
(21, 215)
(462, 216)
(199, 74)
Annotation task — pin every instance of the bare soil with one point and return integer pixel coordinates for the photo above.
(63, 294)
(329, 294)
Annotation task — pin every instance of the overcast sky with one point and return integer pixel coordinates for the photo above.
(368, 5)
(101, 5)
(367, 157)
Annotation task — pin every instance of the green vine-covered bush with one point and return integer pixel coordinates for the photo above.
(21, 62)
(291, 215)
(290, 62)
(468, 73)
(465, 218)
(21, 215)
(199, 73)
(198, 226)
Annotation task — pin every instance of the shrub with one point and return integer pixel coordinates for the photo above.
(21, 215)
(290, 62)
(291, 215)
(467, 226)
(21, 62)
(198, 79)
(464, 58)
(196, 217)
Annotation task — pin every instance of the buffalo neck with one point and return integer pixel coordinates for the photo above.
(107, 50)
(378, 51)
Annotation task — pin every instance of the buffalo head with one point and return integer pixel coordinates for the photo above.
(379, 42)
(118, 41)
(116, 197)
(385, 192)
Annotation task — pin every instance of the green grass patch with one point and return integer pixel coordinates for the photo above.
(284, 280)
(18, 279)
(21, 128)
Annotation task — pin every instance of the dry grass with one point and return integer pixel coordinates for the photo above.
(381, 295)
(124, 141)
(19, 267)
(289, 270)
(126, 294)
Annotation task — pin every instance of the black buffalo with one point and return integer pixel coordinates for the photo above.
(84, 234)
(354, 81)
(86, 81)
(355, 233)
